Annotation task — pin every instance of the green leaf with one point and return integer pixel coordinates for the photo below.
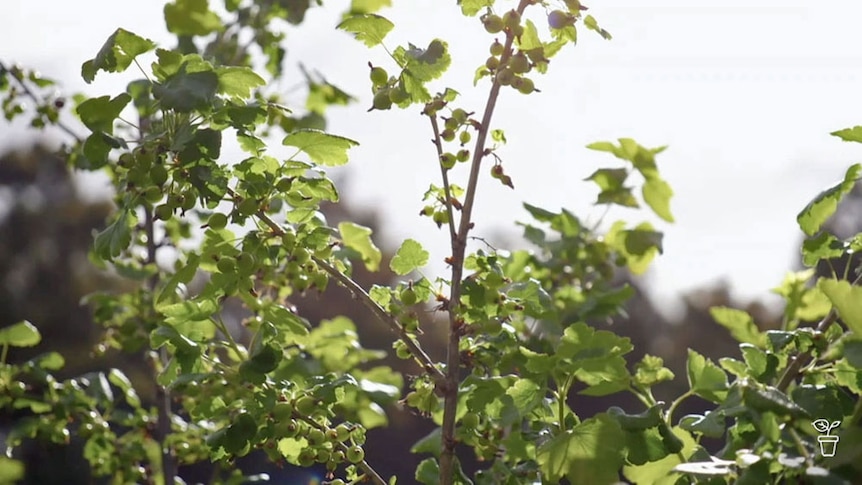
(847, 299)
(368, 6)
(116, 237)
(119, 379)
(358, 238)
(849, 134)
(429, 443)
(191, 17)
(410, 256)
(116, 54)
(706, 379)
(237, 81)
(369, 29)
(323, 148)
(423, 65)
(21, 334)
(660, 472)
(822, 246)
(740, 324)
(11, 471)
(651, 371)
(657, 194)
(609, 179)
(588, 453)
(472, 7)
(428, 472)
(770, 399)
(98, 114)
(824, 205)
(185, 92)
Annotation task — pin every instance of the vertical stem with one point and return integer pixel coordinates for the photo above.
(459, 247)
(163, 396)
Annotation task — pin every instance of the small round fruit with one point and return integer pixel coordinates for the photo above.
(505, 76)
(355, 454)
(284, 184)
(493, 23)
(342, 432)
(379, 76)
(519, 63)
(247, 207)
(158, 174)
(459, 115)
(282, 411)
(511, 20)
(305, 405)
(217, 221)
(408, 295)
(315, 436)
(448, 134)
(470, 420)
(492, 63)
(464, 137)
(463, 155)
(187, 202)
(226, 264)
(525, 86)
(245, 262)
(496, 48)
(307, 457)
(382, 100)
(447, 160)
(164, 212)
(153, 194)
(559, 19)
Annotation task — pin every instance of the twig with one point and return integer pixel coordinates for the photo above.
(363, 296)
(30, 94)
(459, 247)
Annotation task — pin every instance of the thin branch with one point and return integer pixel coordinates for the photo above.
(444, 173)
(16, 75)
(459, 247)
(363, 296)
(799, 361)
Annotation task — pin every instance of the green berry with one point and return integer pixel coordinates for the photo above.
(492, 63)
(459, 115)
(164, 212)
(511, 20)
(282, 411)
(493, 23)
(496, 48)
(153, 194)
(226, 264)
(159, 174)
(524, 85)
(559, 19)
(217, 221)
(408, 295)
(382, 101)
(464, 137)
(284, 184)
(448, 134)
(519, 63)
(463, 155)
(355, 454)
(305, 405)
(379, 76)
(447, 160)
(247, 207)
(505, 76)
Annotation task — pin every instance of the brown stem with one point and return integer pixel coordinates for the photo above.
(163, 396)
(459, 247)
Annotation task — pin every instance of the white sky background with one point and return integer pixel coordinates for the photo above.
(745, 93)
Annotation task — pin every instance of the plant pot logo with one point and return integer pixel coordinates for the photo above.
(828, 442)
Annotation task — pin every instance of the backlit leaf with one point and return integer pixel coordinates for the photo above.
(847, 299)
(323, 148)
(410, 256)
(824, 205)
(370, 29)
(21, 334)
(358, 238)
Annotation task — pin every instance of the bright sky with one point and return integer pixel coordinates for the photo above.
(745, 93)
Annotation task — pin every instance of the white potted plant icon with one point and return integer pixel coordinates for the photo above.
(828, 442)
